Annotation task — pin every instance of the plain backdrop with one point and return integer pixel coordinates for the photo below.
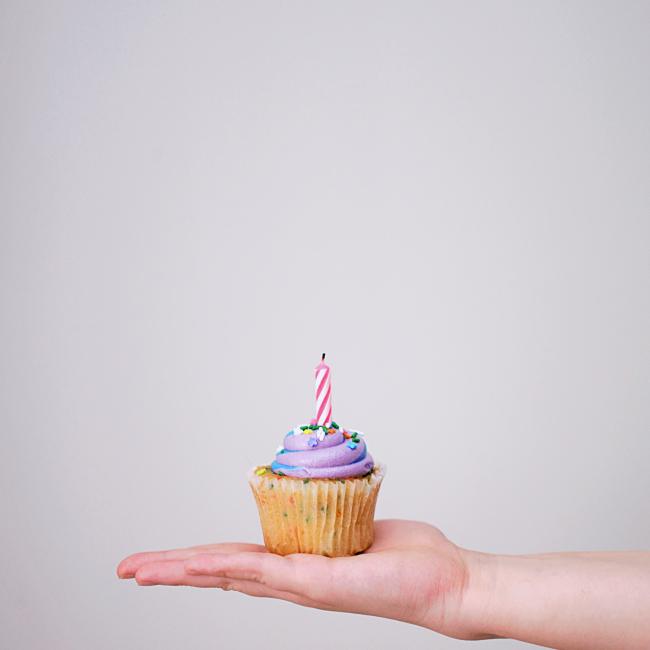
(198, 198)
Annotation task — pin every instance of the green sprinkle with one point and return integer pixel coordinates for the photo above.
(313, 427)
(341, 481)
(281, 474)
(304, 426)
(306, 480)
(334, 425)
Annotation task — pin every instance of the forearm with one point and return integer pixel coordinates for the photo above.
(570, 601)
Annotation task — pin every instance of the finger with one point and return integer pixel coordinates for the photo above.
(173, 573)
(307, 576)
(259, 590)
(128, 566)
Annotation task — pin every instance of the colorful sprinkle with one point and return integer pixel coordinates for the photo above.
(321, 435)
(260, 470)
(312, 442)
(352, 445)
(334, 425)
(306, 480)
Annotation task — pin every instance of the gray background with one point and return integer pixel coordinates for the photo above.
(198, 198)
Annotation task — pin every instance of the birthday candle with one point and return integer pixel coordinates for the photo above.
(323, 393)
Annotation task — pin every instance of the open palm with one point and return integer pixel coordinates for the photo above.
(412, 572)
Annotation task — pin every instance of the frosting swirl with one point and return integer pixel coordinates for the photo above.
(323, 453)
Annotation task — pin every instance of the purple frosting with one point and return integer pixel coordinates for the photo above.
(335, 456)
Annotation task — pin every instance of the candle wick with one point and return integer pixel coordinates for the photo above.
(323, 357)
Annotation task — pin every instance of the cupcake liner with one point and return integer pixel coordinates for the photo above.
(332, 517)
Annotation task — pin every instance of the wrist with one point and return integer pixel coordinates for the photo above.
(574, 601)
(466, 610)
(479, 604)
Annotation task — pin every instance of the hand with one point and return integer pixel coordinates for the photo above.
(411, 573)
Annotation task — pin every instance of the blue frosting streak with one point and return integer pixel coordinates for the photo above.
(280, 466)
(275, 465)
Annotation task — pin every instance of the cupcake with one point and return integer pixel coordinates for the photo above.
(319, 494)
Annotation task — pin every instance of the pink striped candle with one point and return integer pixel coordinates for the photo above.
(323, 393)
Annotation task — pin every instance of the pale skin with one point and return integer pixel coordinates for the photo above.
(413, 573)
